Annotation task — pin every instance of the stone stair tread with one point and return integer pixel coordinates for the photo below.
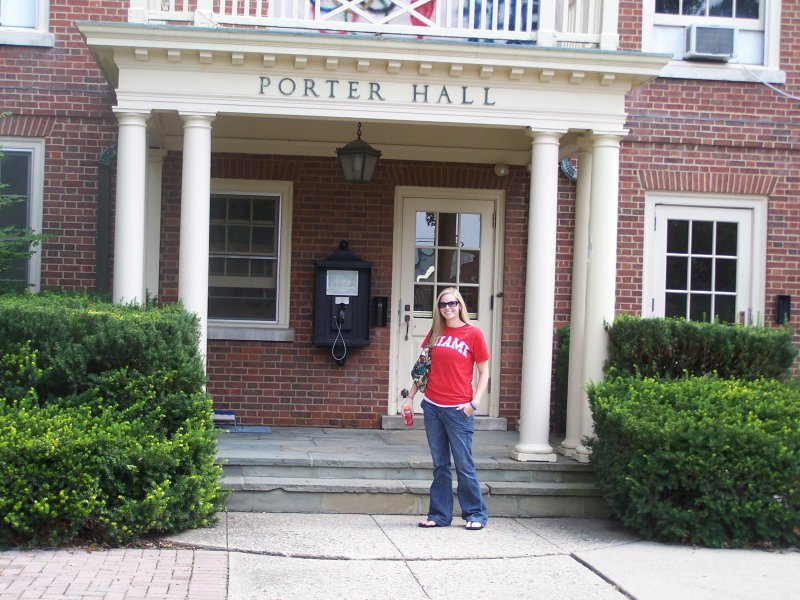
(399, 486)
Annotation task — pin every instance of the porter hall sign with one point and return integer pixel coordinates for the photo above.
(372, 91)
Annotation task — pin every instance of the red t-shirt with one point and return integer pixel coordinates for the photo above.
(453, 359)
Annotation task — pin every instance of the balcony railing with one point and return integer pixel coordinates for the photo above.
(549, 23)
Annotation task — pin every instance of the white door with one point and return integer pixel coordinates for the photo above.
(702, 264)
(444, 242)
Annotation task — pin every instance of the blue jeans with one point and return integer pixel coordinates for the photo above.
(450, 430)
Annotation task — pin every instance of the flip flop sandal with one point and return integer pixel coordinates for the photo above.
(474, 526)
(428, 524)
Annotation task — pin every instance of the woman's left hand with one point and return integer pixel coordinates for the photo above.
(467, 409)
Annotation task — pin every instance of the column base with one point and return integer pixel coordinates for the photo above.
(582, 454)
(567, 448)
(534, 453)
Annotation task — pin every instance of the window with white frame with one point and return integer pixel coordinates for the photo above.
(716, 39)
(25, 23)
(249, 254)
(22, 176)
(704, 259)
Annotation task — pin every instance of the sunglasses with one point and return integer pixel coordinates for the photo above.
(451, 304)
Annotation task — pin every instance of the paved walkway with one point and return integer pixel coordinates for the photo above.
(309, 557)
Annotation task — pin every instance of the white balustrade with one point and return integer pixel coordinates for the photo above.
(564, 23)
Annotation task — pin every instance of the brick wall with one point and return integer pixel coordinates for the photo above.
(695, 136)
(688, 136)
(60, 95)
(297, 383)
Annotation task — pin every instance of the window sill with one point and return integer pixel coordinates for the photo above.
(17, 37)
(680, 69)
(249, 331)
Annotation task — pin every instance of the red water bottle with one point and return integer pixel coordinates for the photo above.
(408, 414)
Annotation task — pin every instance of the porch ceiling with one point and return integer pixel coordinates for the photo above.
(309, 136)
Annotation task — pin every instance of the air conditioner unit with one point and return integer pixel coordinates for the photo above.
(709, 42)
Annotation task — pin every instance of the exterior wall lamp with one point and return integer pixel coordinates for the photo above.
(358, 160)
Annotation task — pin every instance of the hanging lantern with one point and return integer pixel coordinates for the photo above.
(358, 160)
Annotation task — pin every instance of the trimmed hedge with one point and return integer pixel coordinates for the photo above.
(671, 348)
(700, 460)
(106, 434)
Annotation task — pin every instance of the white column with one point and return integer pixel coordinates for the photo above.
(195, 218)
(537, 349)
(602, 272)
(576, 396)
(129, 234)
(152, 247)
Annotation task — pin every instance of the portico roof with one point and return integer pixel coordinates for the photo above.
(419, 96)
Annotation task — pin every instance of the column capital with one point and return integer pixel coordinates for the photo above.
(156, 154)
(197, 119)
(131, 117)
(537, 134)
(599, 136)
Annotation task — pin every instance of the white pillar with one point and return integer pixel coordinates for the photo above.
(576, 396)
(152, 247)
(602, 272)
(129, 234)
(195, 218)
(537, 349)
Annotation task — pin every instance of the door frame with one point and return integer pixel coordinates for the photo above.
(435, 193)
(757, 205)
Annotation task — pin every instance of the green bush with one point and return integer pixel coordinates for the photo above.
(700, 460)
(558, 419)
(77, 337)
(105, 431)
(670, 348)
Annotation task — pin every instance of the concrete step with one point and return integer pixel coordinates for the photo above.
(499, 470)
(389, 472)
(404, 496)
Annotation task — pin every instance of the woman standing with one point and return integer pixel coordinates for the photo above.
(449, 403)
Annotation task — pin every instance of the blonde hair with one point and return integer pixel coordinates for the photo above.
(438, 320)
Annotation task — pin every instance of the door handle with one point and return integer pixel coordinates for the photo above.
(408, 324)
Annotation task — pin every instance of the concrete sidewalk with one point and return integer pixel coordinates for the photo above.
(323, 556)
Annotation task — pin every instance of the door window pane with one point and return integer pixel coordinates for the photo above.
(424, 267)
(448, 267)
(700, 307)
(725, 308)
(675, 305)
(725, 278)
(678, 236)
(448, 232)
(702, 237)
(727, 238)
(426, 228)
(470, 231)
(677, 272)
(447, 254)
(470, 261)
(701, 274)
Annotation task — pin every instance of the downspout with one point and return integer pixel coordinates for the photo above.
(103, 217)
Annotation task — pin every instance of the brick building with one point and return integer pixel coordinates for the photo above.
(559, 161)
